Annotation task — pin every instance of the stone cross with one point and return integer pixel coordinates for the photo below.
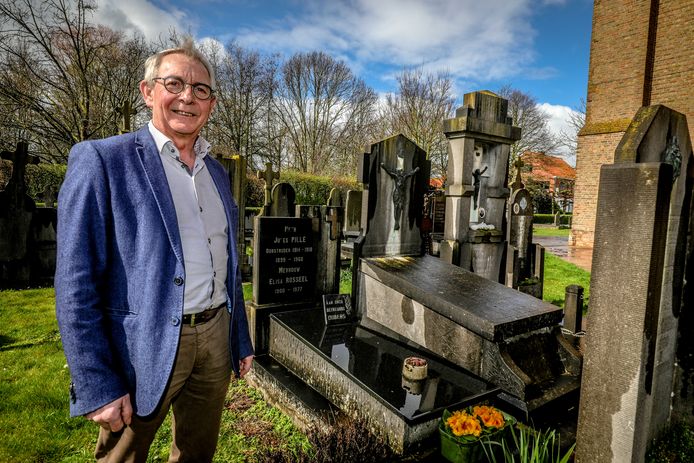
(126, 111)
(333, 218)
(268, 175)
(518, 182)
(20, 158)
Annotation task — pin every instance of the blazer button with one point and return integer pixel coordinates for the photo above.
(178, 281)
(175, 321)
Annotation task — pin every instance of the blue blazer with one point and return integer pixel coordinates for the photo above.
(120, 273)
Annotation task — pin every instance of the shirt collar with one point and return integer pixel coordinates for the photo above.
(201, 146)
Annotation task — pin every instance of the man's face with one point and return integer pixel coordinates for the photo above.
(178, 116)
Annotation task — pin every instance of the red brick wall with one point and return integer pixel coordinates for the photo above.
(616, 84)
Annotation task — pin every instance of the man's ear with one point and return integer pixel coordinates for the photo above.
(213, 103)
(146, 91)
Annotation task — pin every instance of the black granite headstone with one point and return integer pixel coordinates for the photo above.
(286, 262)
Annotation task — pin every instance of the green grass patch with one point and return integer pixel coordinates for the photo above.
(558, 275)
(247, 291)
(34, 384)
(551, 231)
(34, 410)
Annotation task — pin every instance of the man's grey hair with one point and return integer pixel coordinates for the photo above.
(186, 48)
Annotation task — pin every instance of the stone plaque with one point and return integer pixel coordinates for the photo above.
(439, 213)
(286, 262)
(337, 309)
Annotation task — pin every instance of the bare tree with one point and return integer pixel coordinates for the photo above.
(64, 77)
(577, 119)
(320, 105)
(533, 121)
(245, 85)
(417, 111)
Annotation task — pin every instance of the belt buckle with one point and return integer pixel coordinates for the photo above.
(192, 319)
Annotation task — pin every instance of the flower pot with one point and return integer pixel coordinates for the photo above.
(458, 452)
(471, 450)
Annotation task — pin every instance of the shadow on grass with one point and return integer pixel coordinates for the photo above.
(5, 340)
(6, 343)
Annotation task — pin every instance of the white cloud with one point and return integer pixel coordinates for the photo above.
(473, 40)
(558, 124)
(143, 17)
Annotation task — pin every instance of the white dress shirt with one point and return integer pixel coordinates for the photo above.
(202, 224)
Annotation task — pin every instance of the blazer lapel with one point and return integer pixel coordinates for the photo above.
(154, 170)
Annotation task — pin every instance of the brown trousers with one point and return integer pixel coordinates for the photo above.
(196, 393)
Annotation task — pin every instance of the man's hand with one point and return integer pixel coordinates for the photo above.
(245, 365)
(115, 415)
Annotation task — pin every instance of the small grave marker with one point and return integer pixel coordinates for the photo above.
(337, 309)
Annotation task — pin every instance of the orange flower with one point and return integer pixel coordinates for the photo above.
(490, 416)
(462, 424)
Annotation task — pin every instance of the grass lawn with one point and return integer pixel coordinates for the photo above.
(558, 275)
(550, 231)
(34, 414)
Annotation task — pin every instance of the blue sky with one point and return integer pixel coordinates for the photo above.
(541, 47)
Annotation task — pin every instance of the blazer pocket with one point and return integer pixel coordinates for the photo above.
(120, 312)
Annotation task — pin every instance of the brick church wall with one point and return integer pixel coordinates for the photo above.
(640, 54)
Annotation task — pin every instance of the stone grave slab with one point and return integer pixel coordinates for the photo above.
(360, 371)
(483, 326)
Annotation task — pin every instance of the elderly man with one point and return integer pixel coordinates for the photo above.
(148, 288)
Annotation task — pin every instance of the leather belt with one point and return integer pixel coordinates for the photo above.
(199, 318)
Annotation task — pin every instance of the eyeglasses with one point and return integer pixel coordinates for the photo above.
(176, 85)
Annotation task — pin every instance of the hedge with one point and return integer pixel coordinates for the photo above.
(315, 189)
(549, 219)
(310, 189)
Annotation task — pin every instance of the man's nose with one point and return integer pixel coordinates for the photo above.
(187, 93)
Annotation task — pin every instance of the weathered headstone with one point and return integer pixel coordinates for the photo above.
(479, 139)
(282, 203)
(637, 284)
(352, 225)
(395, 174)
(521, 271)
(335, 198)
(16, 213)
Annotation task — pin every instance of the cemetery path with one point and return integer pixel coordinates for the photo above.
(559, 246)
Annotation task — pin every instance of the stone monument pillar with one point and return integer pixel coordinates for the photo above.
(637, 286)
(479, 140)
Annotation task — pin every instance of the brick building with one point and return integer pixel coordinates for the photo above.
(641, 54)
(551, 173)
